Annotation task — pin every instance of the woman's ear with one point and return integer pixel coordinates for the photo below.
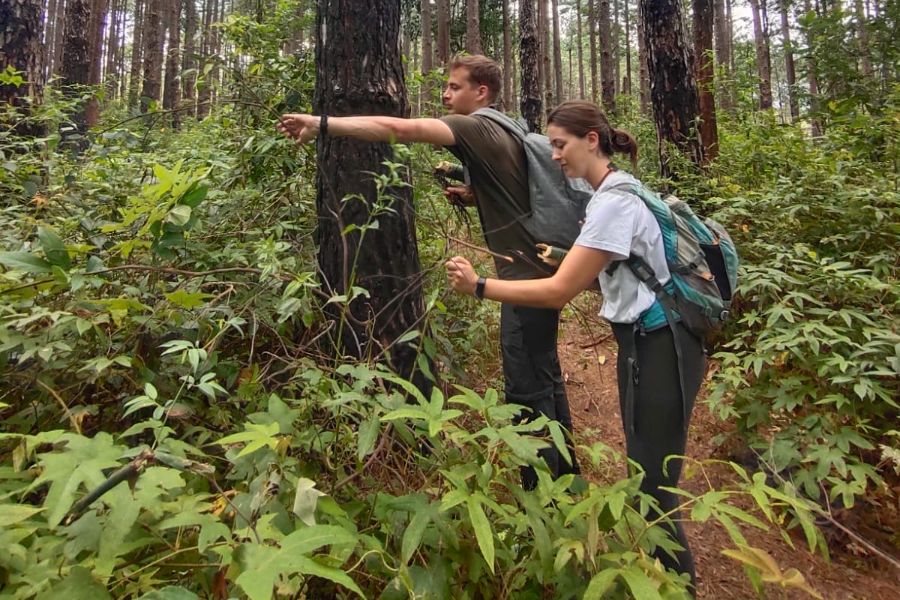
(593, 140)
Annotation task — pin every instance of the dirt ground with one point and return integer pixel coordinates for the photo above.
(589, 368)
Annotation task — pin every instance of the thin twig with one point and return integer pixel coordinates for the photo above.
(508, 259)
(62, 403)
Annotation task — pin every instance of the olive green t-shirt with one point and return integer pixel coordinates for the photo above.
(498, 175)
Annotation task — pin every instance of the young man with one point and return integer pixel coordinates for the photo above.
(497, 171)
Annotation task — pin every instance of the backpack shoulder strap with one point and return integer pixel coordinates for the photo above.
(511, 125)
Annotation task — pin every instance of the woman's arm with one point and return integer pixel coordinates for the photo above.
(578, 270)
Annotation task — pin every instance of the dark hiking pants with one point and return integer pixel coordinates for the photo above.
(533, 377)
(655, 421)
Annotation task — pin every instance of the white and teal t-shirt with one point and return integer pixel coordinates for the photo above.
(619, 222)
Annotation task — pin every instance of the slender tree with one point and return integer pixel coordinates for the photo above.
(443, 32)
(705, 74)
(592, 29)
(628, 75)
(580, 45)
(672, 86)
(790, 71)
(528, 61)
(384, 261)
(76, 62)
(643, 72)
(473, 28)
(189, 60)
(110, 76)
(507, 59)
(763, 62)
(21, 49)
(607, 64)
(817, 126)
(153, 54)
(137, 49)
(557, 53)
(862, 38)
(722, 40)
(545, 71)
(172, 92)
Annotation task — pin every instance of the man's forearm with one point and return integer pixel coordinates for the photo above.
(370, 128)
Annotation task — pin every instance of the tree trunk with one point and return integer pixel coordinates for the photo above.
(507, 59)
(580, 44)
(628, 75)
(153, 54)
(95, 59)
(592, 29)
(763, 62)
(615, 38)
(443, 32)
(52, 18)
(172, 93)
(672, 87)
(862, 37)
(110, 77)
(427, 45)
(557, 54)
(531, 105)
(790, 71)
(545, 70)
(204, 91)
(21, 49)
(59, 40)
(643, 72)
(473, 28)
(607, 67)
(817, 127)
(705, 73)
(189, 61)
(137, 48)
(384, 261)
(722, 44)
(76, 63)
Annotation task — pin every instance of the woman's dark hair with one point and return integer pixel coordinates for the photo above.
(579, 117)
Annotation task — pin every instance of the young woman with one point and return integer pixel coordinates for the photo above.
(617, 225)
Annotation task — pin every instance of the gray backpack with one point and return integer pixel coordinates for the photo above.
(557, 202)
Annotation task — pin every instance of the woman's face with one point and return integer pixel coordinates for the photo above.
(574, 154)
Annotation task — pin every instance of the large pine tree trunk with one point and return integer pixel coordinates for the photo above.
(473, 28)
(386, 260)
(580, 44)
(59, 40)
(672, 87)
(763, 61)
(507, 59)
(153, 54)
(172, 93)
(705, 73)
(52, 18)
(137, 50)
(531, 104)
(443, 32)
(790, 70)
(21, 49)
(76, 63)
(607, 65)
(592, 29)
(99, 9)
(557, 54)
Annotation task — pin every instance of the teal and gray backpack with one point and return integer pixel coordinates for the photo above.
(557, 202)
(702, 260)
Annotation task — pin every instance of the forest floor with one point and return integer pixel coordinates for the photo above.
(589, 369)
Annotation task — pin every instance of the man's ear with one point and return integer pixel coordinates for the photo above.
(483, 92)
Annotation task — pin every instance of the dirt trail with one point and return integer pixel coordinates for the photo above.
(591, 383)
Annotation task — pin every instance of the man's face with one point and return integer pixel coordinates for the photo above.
(461, 95)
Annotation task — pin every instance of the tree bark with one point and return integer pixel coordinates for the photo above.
(790, 70)
(76, 63)
(204, 91)
(672, 87)
(137, 49)
(643, 72)
(531, 105)
(507, 59)
(443, 32)
(628, 75)
(763, 61)
(817, 127)
(473, 28)
(189, 60)
(592, 29)
(580, 45)
(52, 18)
(862, 37)
(172, 93)
(110, 76)
(545, 70)
(607, 66)
(21, 49)
(153, 54)
(722, 44)
(557, 54)
(705, 74)
(59, 41)
(359, 71)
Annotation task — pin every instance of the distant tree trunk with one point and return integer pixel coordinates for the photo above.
(672, 86)
(592, 28)
(722, 44)
(473, 28)
(59, 40)
(189, 61)
(730, 26)
(628, 75)
(172, 94)
(643, 72)
(507, 59)
(580, 45)
(705, 74)
(21, 49)
(545, 70)
(790, 71)
(862, 36)
(427, 54)
(817, 127)
(204, 91)
(763, 62)
(76, 64)
(607, 67)
(52, 17)
(110, 76)
(153, 54)
(386, 260)
(557, 54)
(137, 49)
(616, 35)
(443, 32)
(528, 66)
(95, 63)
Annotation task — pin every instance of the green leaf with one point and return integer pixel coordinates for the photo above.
(188, 300)
(412, 537)
(179, 215)
(54, 248)
(305, 500)
(10, 514)
(483, 532)
(78, 585)
(640, 584)
(368, 435)
(600, 584)
(25, 261)
(170, 592)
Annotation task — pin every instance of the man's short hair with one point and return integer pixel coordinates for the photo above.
(482, 71)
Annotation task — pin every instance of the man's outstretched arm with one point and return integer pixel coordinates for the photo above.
(305, 128)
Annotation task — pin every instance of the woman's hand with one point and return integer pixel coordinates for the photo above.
(461, 275)
(302, 128)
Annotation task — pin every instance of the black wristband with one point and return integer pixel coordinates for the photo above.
(479, 288)
(323, 125)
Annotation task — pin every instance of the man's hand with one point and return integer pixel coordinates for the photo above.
(461, 276)
(460, 195)
(302, 128)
